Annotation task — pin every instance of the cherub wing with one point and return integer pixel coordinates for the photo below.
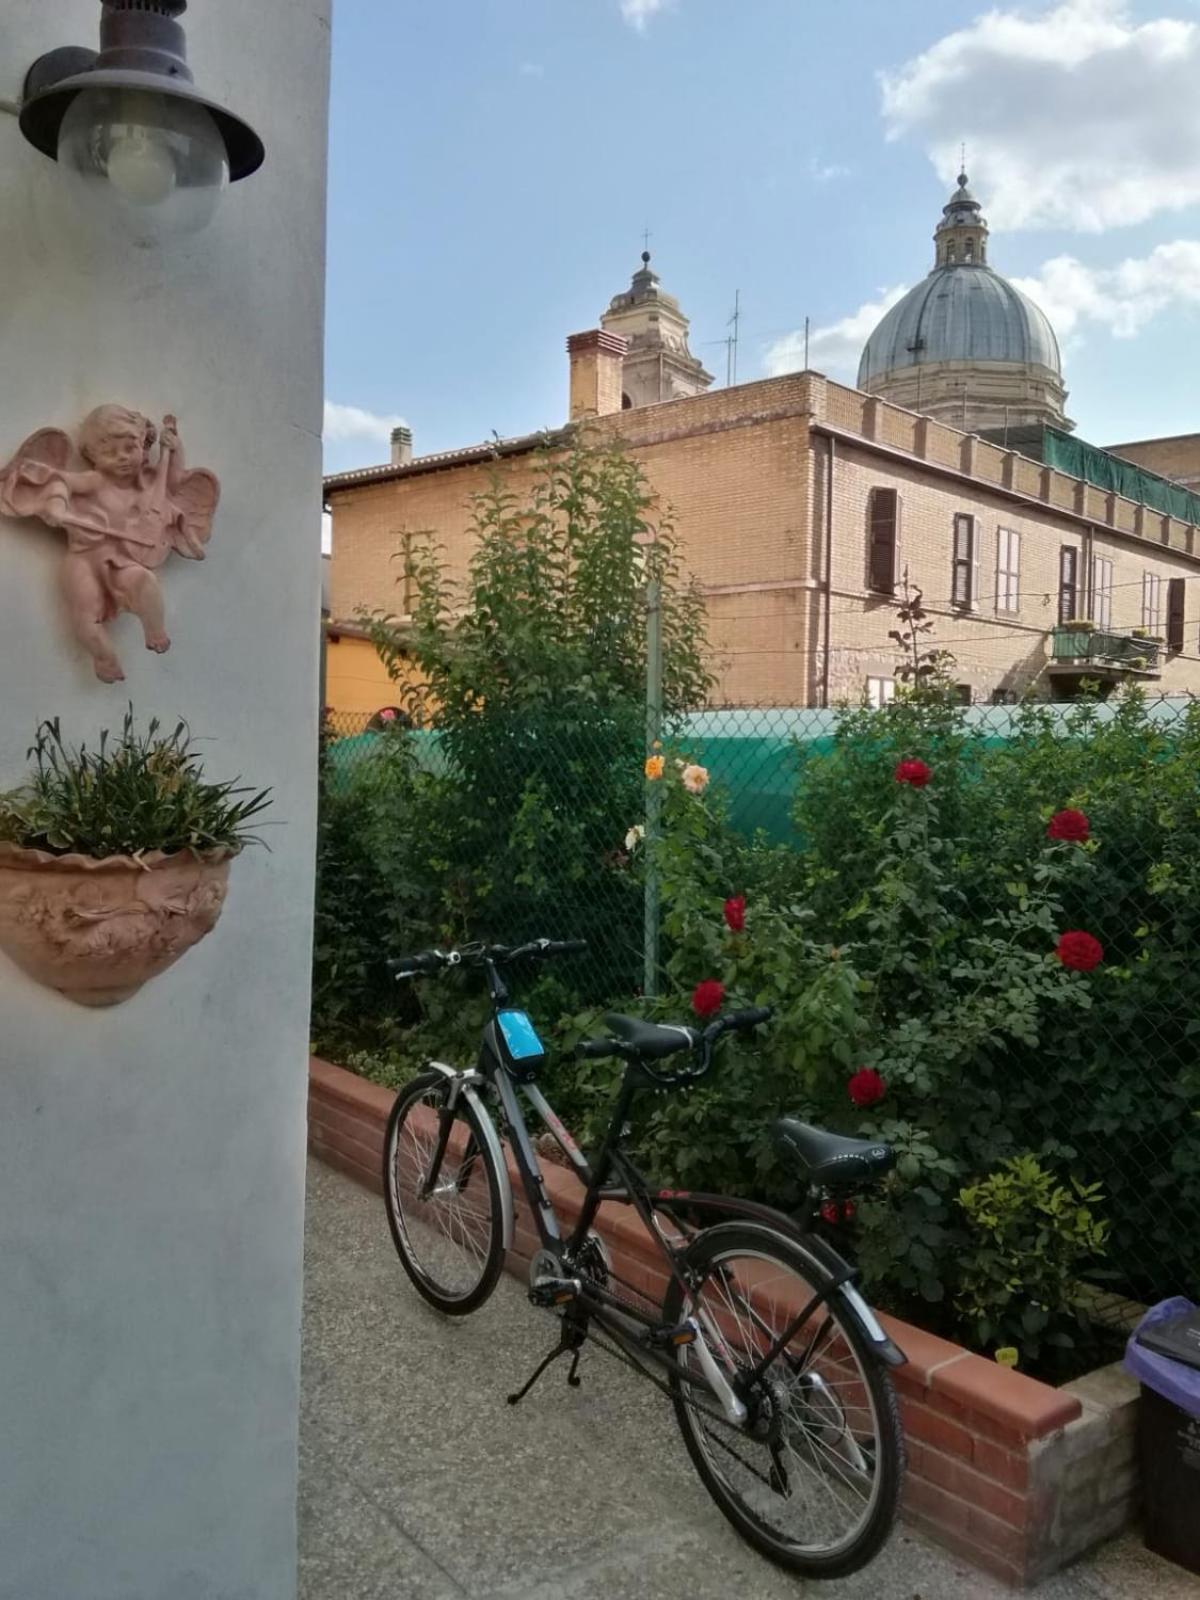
(196, 496)
(49, 447)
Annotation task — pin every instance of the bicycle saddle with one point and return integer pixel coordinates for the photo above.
(649, 1040)
(828, 1158)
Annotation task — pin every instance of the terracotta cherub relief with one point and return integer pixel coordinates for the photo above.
(123, 513)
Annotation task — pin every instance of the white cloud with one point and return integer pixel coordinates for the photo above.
(1123, 298)
(638, 12)
(1077, 116)
(833, 349)
(343, 423)
(532, 69)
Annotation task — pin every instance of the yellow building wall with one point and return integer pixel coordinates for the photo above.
(356, 681)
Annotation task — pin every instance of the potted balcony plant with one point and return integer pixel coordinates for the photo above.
(114, 860)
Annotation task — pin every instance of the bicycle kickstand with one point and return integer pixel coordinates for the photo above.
(571, 1341)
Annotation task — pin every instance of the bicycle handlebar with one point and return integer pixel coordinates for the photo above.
(431, 961)
(751, 1017)
(595, 1049)
(732, 1022)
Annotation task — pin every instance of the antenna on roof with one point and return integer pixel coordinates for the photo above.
(731, 343)
(962, 162)
(646, 238)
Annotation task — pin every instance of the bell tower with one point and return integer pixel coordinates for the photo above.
(658, 364)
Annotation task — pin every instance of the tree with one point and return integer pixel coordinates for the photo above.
(533, 675)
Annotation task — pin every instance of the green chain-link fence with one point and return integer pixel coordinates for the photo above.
(948, 899)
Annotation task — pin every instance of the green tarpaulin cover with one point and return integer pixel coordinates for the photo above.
(1107, 471)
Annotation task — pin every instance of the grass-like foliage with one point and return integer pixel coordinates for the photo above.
(130, 794)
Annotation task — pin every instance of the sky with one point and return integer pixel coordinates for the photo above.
(495, 163)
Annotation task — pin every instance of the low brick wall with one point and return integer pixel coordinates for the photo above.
(1007, 1472)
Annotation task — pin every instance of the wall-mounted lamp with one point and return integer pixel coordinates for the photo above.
(129, 128)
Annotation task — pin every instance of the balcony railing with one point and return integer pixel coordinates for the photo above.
(1076, 649)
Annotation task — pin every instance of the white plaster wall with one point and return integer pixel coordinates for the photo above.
(151, 1156)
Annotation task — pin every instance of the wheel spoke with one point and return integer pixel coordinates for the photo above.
(803, 1469)
(447, 1235)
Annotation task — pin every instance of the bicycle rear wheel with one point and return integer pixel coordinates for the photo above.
(812, 1478)
(451, 1240)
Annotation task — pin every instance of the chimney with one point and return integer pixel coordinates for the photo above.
(401, 446)
(597, 369)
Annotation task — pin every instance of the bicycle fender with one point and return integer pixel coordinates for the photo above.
(885, 1348)
(494, 1147)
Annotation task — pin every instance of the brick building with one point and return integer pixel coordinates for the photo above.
(800, 504)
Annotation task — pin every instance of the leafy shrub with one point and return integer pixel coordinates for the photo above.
(131, 793)
(365, 899)
(952, 922)
(1028, 1240)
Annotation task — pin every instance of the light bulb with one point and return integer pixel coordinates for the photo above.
(154, 163)
(140, 166)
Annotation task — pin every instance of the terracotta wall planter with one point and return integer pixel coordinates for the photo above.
(98, 930)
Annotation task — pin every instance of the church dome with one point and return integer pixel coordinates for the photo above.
(964, 344)
(962, 312)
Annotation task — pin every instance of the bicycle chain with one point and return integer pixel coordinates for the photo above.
(660, 1383)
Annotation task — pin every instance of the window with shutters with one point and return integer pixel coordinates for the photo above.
(1008, 570)
(1102, 585)
(1151, 601)
(883, 515)
(1068, 582)
(964, 585)
(1175, 605)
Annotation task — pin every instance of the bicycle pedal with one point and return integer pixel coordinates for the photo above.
(682, 1333)
(555, 1291)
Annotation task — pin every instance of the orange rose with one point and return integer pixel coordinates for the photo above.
(654, 767)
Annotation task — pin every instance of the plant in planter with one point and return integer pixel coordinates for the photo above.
(114, 861)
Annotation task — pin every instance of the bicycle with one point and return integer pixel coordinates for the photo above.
(776, 1366)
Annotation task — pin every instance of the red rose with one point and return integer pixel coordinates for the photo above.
(735, 912)
(1079, 951)
(866, 1087)
(915, 773)
(835, 1211)
(708, 997)
(1069, 825)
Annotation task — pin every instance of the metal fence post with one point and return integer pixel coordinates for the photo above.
(654, 704)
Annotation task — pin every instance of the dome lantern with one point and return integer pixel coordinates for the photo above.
(961, 236)
(965, 345)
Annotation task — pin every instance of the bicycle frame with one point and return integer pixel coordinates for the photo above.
(630, 1188)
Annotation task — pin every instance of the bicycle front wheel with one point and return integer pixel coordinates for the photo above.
(811, 1476)
(449, 1235)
